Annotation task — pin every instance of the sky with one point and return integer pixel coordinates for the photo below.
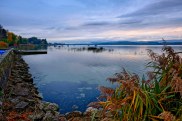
(93, 20)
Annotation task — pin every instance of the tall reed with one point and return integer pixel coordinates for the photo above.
(159, 97)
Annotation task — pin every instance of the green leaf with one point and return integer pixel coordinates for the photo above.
(170, 96)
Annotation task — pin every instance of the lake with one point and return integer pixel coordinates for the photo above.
(70, 75)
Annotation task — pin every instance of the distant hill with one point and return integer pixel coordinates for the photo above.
(175, 42)
(172, 42)
(117, 42)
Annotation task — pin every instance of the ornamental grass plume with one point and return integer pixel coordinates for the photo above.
(168, 68)
(157, 98)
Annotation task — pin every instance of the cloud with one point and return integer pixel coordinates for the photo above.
(156, 14)
(157, 8)
(97, 24)
(92, 19)
(130, 22)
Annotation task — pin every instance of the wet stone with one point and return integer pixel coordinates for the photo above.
(1, 103)
(49, 116)
(73, 114)
(76, 119)
(37, 115)
(38, 96)
(51, 107)
(15, 100)
(21, 92)
(2, 117)
(28, 79)
(21, 105)
(62, 118)
(23, 96)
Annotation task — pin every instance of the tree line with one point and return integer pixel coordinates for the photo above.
(10, 39)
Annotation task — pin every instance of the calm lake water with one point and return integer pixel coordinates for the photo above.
(70, 76)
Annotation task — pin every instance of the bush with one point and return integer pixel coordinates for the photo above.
(3, 45)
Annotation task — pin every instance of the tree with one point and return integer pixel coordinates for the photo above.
(3, 33)
(3, 45)
(12, 38)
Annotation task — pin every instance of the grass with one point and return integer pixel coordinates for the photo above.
(159, 97)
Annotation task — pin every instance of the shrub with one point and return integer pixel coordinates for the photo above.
(3, 45)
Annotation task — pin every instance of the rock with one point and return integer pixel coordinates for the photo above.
(38, 96)
(41, 106)
(28, 75)
(22, 96)
(50, 107)
(17, 80)
(15, 100)
(28, 79)
(107, 119)
(90, 112)
(2, 118)
(87, 114)
(20, 91)
(37, 115)
(91, 109)
(21, 105)
(1, 103)
(49, 116)
(7, 105)
(88, 118)
(62, 118)
(30, 100)
(76, 119)
(73, 114)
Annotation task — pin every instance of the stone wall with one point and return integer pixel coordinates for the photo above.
(6, 62)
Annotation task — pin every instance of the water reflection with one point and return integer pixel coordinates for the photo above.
(93, 49)
(70, 75)
(32, 47)
(70, 95)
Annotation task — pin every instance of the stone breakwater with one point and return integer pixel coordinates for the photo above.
(5, 66)
(21, 100)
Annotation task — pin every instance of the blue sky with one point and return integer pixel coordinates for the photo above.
(93, 20)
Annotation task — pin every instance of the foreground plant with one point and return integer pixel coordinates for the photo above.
(14, 116)
(157, 98)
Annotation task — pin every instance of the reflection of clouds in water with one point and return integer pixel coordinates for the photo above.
(82, 95)
(39, 78)
(84, 88)
(66, 94)
(68, 78)
(91, 64)
(125, 56)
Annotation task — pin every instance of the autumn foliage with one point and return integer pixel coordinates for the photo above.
(3, 45)
(10, 36)
(159, 97)
(14, 116)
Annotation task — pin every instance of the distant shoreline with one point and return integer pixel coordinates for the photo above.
(117, 44)
(122, 43)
